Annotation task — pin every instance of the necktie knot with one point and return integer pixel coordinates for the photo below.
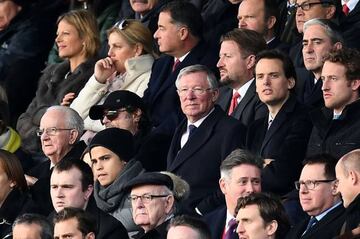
(345, 9)
(192, 129)
(311, 223)
(176, 63)
(234, 102)
(230, 233)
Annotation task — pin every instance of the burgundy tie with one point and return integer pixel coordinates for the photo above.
(176, 63)
(346, 9)
(231, 232)
(233, 102)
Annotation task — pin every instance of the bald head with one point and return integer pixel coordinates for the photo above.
(348, 175)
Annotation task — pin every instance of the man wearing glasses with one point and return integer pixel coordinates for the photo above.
(306, 10)
(205, 137)
(60, 130)
(319, 198)
(152, 202)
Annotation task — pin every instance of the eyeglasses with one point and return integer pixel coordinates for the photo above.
(121, 24)
(49, 131)
(146, 198)
(311, 184)
(305, 6)
(196, 91)
(112, 114)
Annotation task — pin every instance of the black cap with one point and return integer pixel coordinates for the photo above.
(116, 100)
(150, 178)
(119, 141)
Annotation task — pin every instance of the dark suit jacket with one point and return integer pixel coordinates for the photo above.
(161, 97)
(216, 221)
(328, 227)
(285, 142)
(276, 43)
(215, 138)
(350, 27)
(250, 107)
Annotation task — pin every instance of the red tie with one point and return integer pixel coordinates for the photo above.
(176, 63)
(234, 102)
(346, 9)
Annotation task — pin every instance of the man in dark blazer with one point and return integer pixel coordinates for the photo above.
(281, 137)
(350, 24)
(320, 37)
(205, 137)
(240, 176)
(179, 37)
(72, 186)
(236, 65)
(320, 199)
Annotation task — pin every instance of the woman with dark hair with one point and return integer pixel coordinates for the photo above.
(14, 197)
(78, 42)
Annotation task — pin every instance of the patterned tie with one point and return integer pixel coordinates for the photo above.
(231, 232)
(311, 223)
(234, 102)
(345, 9)
(176, 63)
(269, 123)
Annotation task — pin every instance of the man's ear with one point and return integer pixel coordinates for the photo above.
(271, 228)
(271, 22)
(250, 62)
(170, 200)
(90, 235)
(88, 192)
(73, 136)
(222, 184)
(183, 33)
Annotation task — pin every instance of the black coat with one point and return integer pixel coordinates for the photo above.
(215, 138)
(15, 204)
(353, 214)
(336, 137)
(216, 222)
(328, 227)
(159, 232)
(250, 107)
(285, 142)
(161, 96)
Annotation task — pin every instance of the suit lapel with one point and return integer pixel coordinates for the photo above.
(225, 98)
(279, 120)
(164, 78)
(244, 101)
(197, 140)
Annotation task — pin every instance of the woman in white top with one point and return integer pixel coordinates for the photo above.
(127, 67)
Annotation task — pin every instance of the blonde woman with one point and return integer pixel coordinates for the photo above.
(127, 67)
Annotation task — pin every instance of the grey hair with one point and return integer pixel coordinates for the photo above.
(329, 27)
(72, 118)
(210, 77)
(239, 157)
(43, 222)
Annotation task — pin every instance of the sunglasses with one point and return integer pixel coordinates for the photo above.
(121, 24)
(112, 114)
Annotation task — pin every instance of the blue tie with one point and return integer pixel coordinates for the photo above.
(311, 223)
(192, 129)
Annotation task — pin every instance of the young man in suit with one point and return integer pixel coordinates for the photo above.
(336, 125)
(319, 198)
(205, 137)
(240, 176)
(236, 65)
(280, 137)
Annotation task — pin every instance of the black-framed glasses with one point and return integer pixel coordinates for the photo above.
(305, 6)
(196, 91)
(112, 114)
(311, 184)
(146, 198)
(122, 24)
(50, 131)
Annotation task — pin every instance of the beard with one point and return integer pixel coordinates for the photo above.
(226, 81)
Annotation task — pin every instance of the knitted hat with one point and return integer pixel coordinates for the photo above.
(119, 141)
(116, 100)
(150, 178)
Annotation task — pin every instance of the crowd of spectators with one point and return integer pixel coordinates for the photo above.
(179, 119)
